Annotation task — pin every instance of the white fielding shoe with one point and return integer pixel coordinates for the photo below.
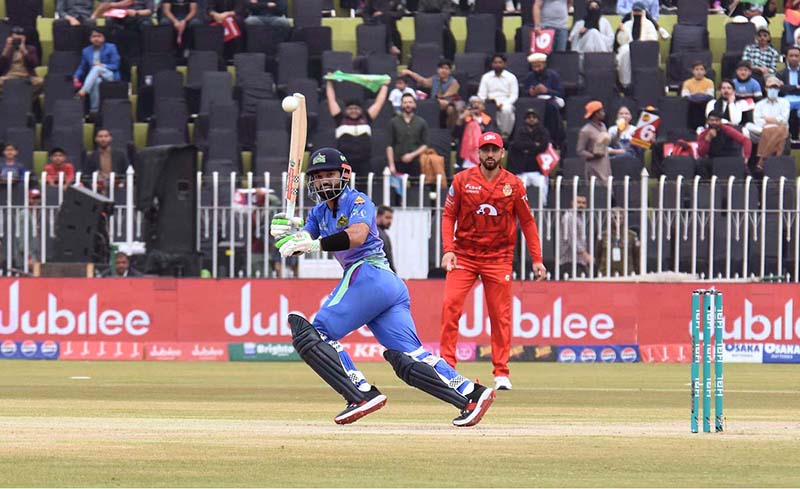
(501, 383)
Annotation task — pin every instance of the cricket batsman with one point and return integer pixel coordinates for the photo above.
(344, 222)
(479, 233)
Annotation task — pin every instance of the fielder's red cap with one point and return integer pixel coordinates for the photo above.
(491, 138)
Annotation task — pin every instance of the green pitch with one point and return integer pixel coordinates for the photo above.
(237, 424)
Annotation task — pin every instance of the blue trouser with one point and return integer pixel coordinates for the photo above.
(91, 84)
(372, 295)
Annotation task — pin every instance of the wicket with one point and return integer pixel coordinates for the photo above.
(707, 313)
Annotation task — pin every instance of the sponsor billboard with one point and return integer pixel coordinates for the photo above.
(101, 350)
(598, 354)
(744, 353)
(262, 352)
(558, 313)
(520, 353)
(666, 353)
(29, 350)
(778, 353)
(207, 352)
(465, 351)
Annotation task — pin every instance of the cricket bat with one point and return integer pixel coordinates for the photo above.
(297, 149)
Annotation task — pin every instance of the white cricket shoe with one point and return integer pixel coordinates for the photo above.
(501, 383)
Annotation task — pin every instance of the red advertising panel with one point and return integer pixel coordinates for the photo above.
(219, 311)
(207, 352)
(101, 350)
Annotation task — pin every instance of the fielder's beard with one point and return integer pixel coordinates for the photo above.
(490, 164)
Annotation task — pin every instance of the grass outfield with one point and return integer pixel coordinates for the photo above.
(270, 424)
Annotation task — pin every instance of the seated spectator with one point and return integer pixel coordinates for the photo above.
(527, 142)
(354, 127)
(638, 28)
(770, 126)
(218, 11)
(593, 143)
(502, 87)
(552, 14)
(542, 82)
(698, 88)
(443, 86)
(400, 88)
(620, 135)
(762, 56)
(747, 89)
(19, 59)
(746, 11)
(386, 12)
(726, 104)
(790, 76)
(719, 140)
(409, 139)
(11, 165)
(122, 267)
(182, 15)
(126, 32)
(105, 160)
(99, 63)
(472, 122)
(593, 33)
(271, 13)
(568, 240)
(791, 9)
(58, 164)
(76, 12)
(652, 10)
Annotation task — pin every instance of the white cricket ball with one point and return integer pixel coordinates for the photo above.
(290, 103)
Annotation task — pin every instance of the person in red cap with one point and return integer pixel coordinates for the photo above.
(479, 233)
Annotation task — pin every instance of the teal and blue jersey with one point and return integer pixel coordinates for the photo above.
(352, 207)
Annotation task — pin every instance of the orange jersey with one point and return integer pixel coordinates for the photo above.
(480, 217)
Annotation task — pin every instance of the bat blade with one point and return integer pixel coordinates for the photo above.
(297, 149)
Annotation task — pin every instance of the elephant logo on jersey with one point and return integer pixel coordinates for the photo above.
(486, 210)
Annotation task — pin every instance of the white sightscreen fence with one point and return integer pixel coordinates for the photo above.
(731, 229)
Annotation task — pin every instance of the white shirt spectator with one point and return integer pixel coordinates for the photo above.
(777, 109)
(733, 110)
(504, 90)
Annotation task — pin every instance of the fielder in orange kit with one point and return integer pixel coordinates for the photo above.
(479, 233)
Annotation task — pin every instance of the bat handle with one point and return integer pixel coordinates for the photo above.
(290, 209)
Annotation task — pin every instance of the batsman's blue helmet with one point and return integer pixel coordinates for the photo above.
(327, 159)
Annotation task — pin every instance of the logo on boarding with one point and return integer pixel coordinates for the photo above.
(608, 355)
(566, 355)
(486, 209)
(48, 349)
(588, 355)
(8, 348)
(628, 354)
(28, 348)
(507, 190)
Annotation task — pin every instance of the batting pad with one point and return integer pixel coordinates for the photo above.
(423, 377)
(322, 358)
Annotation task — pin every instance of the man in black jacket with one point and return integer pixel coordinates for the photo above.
(790, 76)
(526, 143)
(106, 159)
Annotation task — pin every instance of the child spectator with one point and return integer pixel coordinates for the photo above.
(400, 88)
(58, 164)
(746, 86)
(10, 164)
(698, 88)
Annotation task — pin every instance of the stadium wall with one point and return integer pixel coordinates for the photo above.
(217, 320)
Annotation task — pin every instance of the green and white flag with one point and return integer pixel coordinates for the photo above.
(371, 82)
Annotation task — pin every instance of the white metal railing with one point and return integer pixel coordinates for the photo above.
(719, 229)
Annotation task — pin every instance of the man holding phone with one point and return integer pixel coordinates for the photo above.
(18, 61)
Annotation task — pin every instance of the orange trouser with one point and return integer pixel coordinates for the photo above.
(496, 278)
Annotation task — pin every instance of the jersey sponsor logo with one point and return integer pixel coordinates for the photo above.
(358, 213)
(472, 189)
(507, 190)
(342, 221)
(452, 191)
(486, 210)
(359, 200)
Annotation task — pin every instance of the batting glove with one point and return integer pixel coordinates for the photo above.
(281, 225)
(296, 244)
